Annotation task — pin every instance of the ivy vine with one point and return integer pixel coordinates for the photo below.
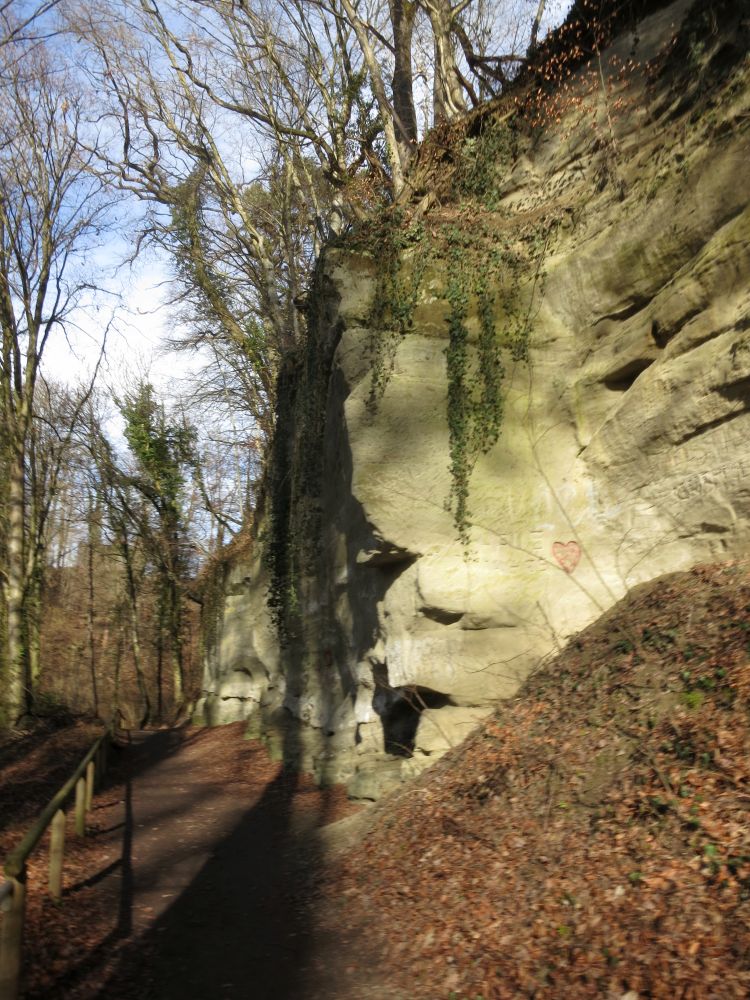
(460, 429)
(487, 331)
(475, 262)
(475, 377)
(279, 550)
(391, 315)
(295, 477)
(482, 159)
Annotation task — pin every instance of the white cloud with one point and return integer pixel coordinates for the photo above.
(134, 309)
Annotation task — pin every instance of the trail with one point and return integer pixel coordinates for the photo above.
(214, 852)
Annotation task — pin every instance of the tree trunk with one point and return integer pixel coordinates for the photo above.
(160, 669)
(403, 13)
(448, 97)
(32, 623)
(178, 680)
(535, 27)
(385, 106)
(116, 708)
(178, 675)
(17, 700)
(161, 627)
(135, 637)
(90, 619)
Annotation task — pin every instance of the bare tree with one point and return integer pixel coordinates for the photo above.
(51, 212)
(243, 240)
(56, 417)
(23, 23)
(255, 131)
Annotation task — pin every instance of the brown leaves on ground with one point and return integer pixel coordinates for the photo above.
(592, 839)
(33, 764)
(74, 948)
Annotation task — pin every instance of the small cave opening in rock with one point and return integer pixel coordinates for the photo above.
(441, 616)
(623, 379)
(399, 709)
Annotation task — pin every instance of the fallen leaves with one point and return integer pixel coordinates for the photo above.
(616, 861)
(590, 841)
(74, 949)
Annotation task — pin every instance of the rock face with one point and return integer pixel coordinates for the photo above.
(624, 446)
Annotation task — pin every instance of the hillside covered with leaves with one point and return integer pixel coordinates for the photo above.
(592, 839)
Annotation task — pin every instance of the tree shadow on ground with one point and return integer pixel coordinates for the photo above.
(127, 758)
(241, 928)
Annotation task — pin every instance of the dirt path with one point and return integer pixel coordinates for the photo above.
(201, 881)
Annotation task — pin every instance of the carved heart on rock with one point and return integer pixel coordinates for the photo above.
(567, 554)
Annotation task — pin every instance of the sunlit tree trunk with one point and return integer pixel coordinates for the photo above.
(135, 638)
(536, 25)
(178, 671)
(116, 706)
(448, 95)
(91, 611)
(33, 625)
(17, 698)
(403, 14)
(160, 658)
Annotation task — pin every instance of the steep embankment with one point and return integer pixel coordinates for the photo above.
(523, 393)
(591, 839)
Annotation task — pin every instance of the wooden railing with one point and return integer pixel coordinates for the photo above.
(13, 889)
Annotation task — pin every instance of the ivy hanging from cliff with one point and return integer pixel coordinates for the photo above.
(295, 481)
(481, 159)
(391, 315)
(499, 284)
(475, 390)
(459, 399)
(280, 555)
(485, 277)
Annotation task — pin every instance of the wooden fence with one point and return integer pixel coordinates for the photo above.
(13, 889)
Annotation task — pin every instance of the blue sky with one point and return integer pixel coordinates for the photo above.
(136, 301)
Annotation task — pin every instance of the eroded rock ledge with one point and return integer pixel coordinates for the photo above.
(624, 449)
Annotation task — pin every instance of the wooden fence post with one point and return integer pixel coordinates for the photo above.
(90, 777)
(11, 939)
(56, 854)
(81, 807)
(13, 889)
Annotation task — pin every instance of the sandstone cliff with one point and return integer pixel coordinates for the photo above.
(526, 394)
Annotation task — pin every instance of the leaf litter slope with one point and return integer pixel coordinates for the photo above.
(591, 840)
(34, 763)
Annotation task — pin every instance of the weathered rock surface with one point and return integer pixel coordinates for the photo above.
(624, 450)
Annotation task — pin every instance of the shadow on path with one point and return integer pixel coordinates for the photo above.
(214, 881)
(116, 881)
